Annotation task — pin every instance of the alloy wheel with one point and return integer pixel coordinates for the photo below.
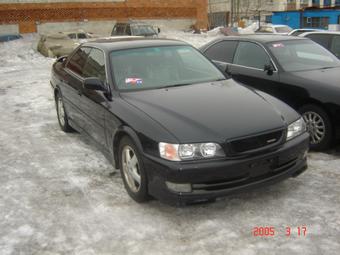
(315, 126)
(130, 167)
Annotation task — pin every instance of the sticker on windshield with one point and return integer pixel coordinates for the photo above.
(133, 81)
(278, 45)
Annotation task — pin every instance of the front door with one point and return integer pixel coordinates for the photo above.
(253, 66)
(72, 84)
(94, 103)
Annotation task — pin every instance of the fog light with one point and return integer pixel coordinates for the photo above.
(179, 187)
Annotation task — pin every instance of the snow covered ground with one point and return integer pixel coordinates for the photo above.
(59, 195)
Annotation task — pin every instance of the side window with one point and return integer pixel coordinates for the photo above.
(222, 51)
(320, 39)
(82, 36)
(120, 29)
(72, 36)
(128, 30)
(95, 65)
(335, 48)
(78, 60)
(251, 55)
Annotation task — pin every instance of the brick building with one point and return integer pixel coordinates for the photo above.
(99, 16)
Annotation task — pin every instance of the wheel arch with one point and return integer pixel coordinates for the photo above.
(120, 133)
(313, 101)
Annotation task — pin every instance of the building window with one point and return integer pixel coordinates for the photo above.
(327, 3)
(316, 22)
(315, 3)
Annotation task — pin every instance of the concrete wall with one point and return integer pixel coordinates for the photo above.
(105, 27)
(9, 29)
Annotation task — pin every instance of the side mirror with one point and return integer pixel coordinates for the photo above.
(269, 69)
(93, 83)
(159, 30)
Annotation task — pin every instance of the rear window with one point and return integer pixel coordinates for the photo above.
(283, 29)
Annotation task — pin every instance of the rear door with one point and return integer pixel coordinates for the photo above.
(249, 63)
(94, 103)
(72, 85)
(222, 54)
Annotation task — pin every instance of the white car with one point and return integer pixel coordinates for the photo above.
(328, 39)
(274, 29)
(300, 31)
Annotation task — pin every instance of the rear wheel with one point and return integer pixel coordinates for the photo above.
(61, 114)
(319, 126)
(132, 170)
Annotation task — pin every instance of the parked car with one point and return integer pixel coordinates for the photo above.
(296, 70)
(177, 129)
(62, 43)
(328, 39)
(274, 29)
(300, 31)
(9, 37)
(135, 28)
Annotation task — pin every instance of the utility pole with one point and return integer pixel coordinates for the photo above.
(231, 12)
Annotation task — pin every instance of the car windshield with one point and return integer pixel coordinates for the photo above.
(265, 30)
(302, 55)
(283, 29)
(142, 30)
(160, 67)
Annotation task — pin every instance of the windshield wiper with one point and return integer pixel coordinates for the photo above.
(185, 84)
(176, 85)
(327, 67)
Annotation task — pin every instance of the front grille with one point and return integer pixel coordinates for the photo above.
(255, 143)
(245, 179)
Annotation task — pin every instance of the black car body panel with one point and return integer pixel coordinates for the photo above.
(296, 88)
(218, 111)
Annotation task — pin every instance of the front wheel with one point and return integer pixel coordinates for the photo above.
(319, 126)
(61, 114)
(132, 170)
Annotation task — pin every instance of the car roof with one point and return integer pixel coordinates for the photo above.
(263, 38)
(321, 32)
(133, 22)
(130, 42)
(271, 25)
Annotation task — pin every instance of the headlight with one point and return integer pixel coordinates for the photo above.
(296, 128)
(179, 152)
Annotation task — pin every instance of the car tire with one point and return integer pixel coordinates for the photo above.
(319, 126)
(132, 170)
(61, 114)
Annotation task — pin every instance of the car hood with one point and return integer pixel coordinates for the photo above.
(208, 112)
(327, 77)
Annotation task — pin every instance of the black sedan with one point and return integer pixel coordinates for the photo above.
(176, 128)
(295, 70)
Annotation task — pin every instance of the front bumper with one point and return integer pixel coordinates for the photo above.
(215, 178)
